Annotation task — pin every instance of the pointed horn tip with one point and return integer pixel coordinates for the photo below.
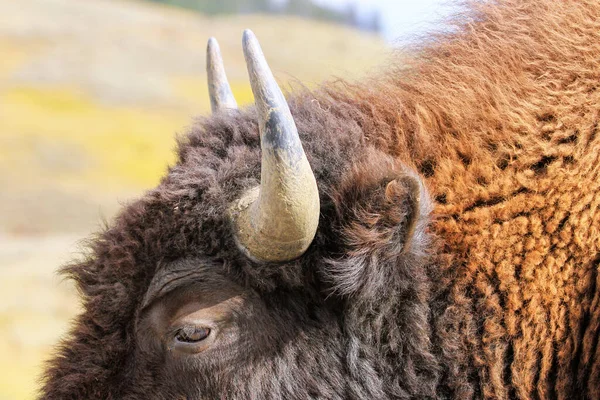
(248, 35)
(212, 43)
(249, 40)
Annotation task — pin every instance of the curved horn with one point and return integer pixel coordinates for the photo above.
(278, 220)
(219, 91)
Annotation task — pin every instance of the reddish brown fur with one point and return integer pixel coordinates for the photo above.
(502, 119)
(497, 298)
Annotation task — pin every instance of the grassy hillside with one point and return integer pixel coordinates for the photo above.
(91, 95)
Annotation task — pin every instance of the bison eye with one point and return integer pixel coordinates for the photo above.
(192, 334)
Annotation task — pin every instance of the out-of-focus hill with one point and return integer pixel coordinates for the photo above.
(91, 95)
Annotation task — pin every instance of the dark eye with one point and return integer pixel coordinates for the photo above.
(192, 334)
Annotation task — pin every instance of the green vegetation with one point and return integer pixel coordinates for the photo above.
(303, 8)
(211, 7)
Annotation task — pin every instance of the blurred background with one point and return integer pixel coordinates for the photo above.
(92, 94)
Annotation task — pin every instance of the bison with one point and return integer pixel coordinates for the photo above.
(432, 232)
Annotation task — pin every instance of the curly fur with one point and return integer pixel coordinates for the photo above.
(489, 291)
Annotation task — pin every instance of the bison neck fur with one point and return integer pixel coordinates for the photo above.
(457, 254)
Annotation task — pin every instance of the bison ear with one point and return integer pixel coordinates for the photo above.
(403, 198)
(382, 204)
(380, 228)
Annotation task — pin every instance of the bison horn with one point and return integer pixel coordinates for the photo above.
(219, 91)
(276, 221)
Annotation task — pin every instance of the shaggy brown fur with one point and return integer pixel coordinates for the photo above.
(496, 296)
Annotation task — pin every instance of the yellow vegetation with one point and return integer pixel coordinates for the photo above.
(122, 147)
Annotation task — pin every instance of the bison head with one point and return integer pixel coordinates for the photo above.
(283, 256)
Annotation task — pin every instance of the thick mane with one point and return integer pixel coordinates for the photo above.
(499, 115)
(501, 118)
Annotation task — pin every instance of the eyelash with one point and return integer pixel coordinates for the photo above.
(192, 334)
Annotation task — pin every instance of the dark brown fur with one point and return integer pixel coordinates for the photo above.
(489, 291)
